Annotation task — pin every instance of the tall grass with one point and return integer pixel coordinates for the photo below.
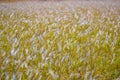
(60, 40)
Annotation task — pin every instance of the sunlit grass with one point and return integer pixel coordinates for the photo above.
(60, 41)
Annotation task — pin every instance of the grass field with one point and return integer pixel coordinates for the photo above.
(65, 40)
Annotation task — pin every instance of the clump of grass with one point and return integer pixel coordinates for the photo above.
(60, 41)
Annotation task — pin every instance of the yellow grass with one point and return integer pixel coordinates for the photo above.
(67, 40)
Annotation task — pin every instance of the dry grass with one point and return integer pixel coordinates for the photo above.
(60, 40)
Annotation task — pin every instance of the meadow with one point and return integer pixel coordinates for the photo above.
(64, 40)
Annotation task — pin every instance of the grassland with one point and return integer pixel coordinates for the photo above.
(67, 40)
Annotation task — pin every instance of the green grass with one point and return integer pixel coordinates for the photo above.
(68, 41)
